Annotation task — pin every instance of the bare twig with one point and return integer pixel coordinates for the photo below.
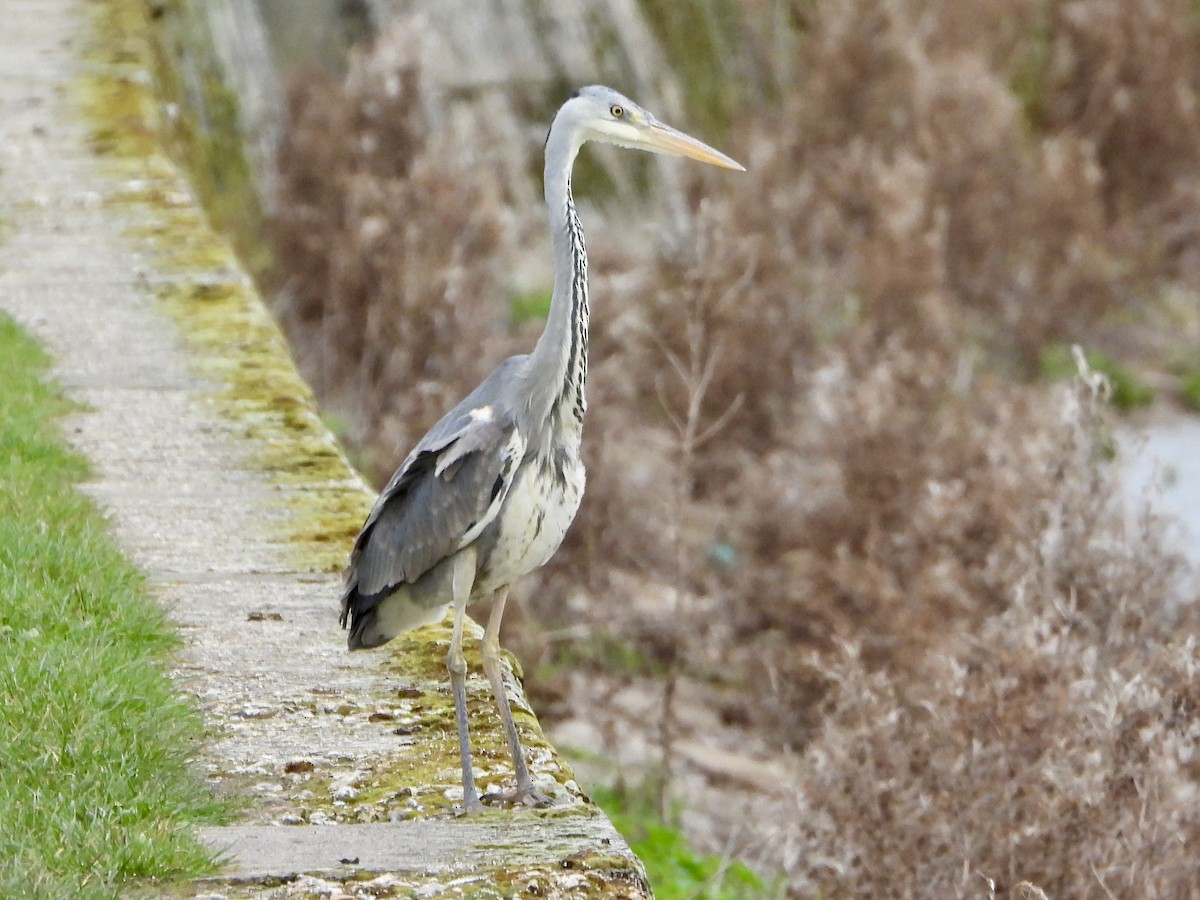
(696, 374)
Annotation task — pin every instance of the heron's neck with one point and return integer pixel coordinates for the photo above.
(559, 361)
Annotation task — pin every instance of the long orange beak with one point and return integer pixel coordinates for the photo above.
(665, 139)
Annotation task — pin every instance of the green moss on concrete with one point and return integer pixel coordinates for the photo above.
(200, 283)
(584, 875)
(122, 112)
(587, 876)
(423, 778)
(137, 66)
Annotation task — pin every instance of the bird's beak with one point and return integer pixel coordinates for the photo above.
(665, 139)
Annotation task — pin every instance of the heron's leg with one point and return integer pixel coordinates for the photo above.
(525, 792)
(461, 580)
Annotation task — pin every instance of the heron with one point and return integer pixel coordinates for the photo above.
(487, 495)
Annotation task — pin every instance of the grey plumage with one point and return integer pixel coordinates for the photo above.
(488, 494)
(445, 488)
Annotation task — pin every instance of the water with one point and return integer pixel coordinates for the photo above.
(1161, 462)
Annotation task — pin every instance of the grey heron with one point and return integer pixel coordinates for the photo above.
(488, 494)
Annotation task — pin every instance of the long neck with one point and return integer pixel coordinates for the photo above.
(559, 361)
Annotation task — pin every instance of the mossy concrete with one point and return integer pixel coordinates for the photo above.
(361, 854)
(226, 489)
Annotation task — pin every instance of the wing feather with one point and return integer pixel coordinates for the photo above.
(442, 494)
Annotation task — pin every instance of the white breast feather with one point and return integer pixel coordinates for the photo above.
(533, 524)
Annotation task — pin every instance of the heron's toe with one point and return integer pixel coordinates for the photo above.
(529, 796)
(470, 807)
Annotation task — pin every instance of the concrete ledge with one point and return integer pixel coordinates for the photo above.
(419, 851)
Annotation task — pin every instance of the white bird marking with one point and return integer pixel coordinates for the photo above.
(512, 451)
(482, 414)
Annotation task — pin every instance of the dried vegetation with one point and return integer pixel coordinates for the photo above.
(388, 242)
(818, 432)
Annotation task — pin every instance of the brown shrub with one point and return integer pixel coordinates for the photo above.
(387, 240)
(1122, 75)
(1055, 755)
(932, 187)
(902, 234)
(1118, 72)
(1054, 748)
(940, 493)
(1049, 740)
(900, 230)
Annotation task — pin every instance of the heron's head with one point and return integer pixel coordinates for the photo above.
(599, 113)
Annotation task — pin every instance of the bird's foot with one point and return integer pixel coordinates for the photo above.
(522, 796)
(471, 804)
(470, 807)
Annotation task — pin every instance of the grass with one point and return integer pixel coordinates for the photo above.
(1128, 392)
(675, 871)
(1189, 390)
(528, 307)
(94, 756)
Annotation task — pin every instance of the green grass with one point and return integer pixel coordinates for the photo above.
(675, 871)
(527, 307)
(95, 786)
(1058, 362)
(1189, 390)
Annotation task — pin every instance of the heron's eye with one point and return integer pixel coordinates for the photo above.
(616, 111)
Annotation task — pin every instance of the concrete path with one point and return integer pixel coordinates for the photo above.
(227, 491)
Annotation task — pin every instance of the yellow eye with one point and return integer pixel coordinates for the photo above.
(616, 111)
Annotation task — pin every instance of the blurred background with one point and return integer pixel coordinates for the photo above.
(873, 591)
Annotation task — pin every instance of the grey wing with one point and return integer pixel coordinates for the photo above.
(440, 500)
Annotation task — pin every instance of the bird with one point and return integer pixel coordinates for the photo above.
(487, 495)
